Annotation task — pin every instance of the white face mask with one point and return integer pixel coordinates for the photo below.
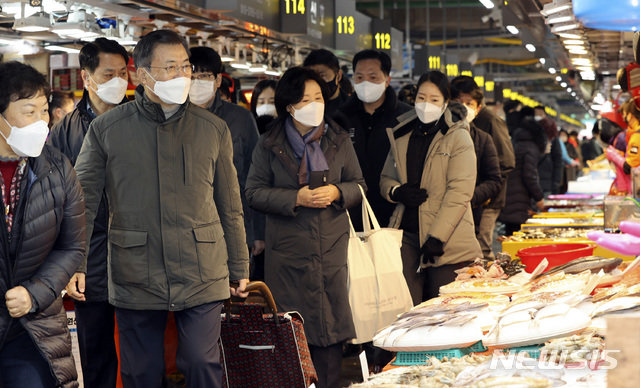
(266, 110)
(428, 112)
(201, 91)
(471, 114)
(113, 91)
(538, 118)
(27, 141)
(311, 114)
(369, 92)
(173, 91)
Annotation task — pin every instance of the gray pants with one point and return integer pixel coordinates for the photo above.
(485, 233)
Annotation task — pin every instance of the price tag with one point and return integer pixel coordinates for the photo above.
(364, 365)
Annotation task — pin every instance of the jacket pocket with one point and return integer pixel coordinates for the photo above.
(212, 251)
(128, 257)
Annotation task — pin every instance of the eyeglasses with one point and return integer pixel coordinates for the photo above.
(174, 69)
(204, 76)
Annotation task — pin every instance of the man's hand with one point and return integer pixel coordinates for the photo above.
(239, 292)
(258, 247)
(18, 301)
(540, 204)
(75, 288)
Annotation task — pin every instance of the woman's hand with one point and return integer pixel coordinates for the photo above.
(317, 198)
(18, 301)
(323, 196)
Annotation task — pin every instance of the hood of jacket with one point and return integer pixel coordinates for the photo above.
(530, 130)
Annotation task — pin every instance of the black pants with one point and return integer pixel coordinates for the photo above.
(328, 364)
(22, 365)
(96, 325)
(410, 252)
(510, 228)
(142, 346)
(435, 277)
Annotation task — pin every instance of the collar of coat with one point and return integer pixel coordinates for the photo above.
(154, 111)
(81, 106)
(216, 104)
(453, 114)
(276, 141)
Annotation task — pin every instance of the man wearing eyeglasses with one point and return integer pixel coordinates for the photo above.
(205, 82)
(176, 233)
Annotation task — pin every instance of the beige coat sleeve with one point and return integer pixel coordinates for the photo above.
(389, 178)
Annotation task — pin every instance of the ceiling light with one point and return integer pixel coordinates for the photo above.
(555, 7)
(240, 65)
(574, 41)
(567, 35)
(487, 3)
(569, 90)
(273, 72)
(552, 70)
(558, 79)
(588, 76)
(513, 29)
(573, 94)
(565, 27)
(226, 58)
(579, 51)
(542, 60)
(561, 19)
(63, 49)
(530, 47)
(563, 84)
(574, 47)
(258, 68)
(581, 61)
(37, 22)
(79, 25)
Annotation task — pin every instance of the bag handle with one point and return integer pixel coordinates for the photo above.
(368, 217)
(261, 288)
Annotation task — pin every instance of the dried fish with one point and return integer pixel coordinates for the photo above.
(591, 263)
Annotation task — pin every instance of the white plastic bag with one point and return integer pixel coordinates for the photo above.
(378, 291)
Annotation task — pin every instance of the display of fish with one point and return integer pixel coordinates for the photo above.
(591, 263)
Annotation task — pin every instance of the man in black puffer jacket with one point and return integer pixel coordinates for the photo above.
(103, 62)
(366, 116)
(42, 238)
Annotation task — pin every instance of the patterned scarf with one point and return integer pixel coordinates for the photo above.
(11, 201)
(307, 150)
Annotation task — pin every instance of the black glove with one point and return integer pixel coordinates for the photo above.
(409, 195)
(626, 168)
(431, 249)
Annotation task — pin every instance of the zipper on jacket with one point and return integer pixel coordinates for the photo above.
(24, 213)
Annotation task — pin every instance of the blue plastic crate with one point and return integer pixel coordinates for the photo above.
(533, 350)
(422, 358)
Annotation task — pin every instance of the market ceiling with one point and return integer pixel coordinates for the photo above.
(505, 41)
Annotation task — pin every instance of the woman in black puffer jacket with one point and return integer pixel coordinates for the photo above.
(42, 237)
(523, 187)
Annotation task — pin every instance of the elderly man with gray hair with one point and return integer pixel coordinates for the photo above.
(176, 233)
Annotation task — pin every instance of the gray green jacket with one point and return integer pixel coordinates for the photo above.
(176, 233)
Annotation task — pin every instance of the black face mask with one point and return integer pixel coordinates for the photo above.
(332, 86)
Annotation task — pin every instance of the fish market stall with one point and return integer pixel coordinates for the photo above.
(497, 325)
